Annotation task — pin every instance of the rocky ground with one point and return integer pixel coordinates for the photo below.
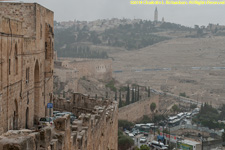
(178, 65)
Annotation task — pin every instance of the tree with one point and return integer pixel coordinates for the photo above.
(152, 107)
(144, 147)
(223, 137)
(135, 94)
(133, 100)
(120, 100)
(124, 124)
(125, 142)
(128, 95)
(138, 94)
(148, 92)
(175, 108)
(116, 96)
(193, 106)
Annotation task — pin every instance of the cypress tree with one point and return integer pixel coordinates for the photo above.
(128, 95)
(120, 100)
(135, 94)
(133, 100)
(116, 96)
(138, 94)
(148, 92)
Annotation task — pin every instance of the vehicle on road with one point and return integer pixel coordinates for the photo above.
(55, 112)
(143, 139)
(45, 121)
(145, 133)
(131, 135)
(157, 145)
(127, 132)
(136, 132)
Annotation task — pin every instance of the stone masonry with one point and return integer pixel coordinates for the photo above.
(26, 64)
(135, 111)
(95, 129)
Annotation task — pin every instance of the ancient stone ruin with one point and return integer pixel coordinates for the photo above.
(95, 129)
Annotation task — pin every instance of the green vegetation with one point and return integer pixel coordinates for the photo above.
(134, 36)
(128, 95)
(143, 147)
(124, 141)
(123, 88)
(124, 124)
(145, 119)
(173, 26)
(111, 85)
(152, 107)
(209, 116)
(183, 94)
(75, 41)
(220, 34)
(81, 52)
(157, 118)
(223, 137)
(148, 92)
(175, 108)
(120, 100)
(193, 106)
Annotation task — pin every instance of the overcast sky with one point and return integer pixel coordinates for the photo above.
(102, 9)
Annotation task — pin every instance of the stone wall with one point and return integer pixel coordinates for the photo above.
(98, 121)
(26, 64)
(95, 129)
(135, 111)
(97, 68)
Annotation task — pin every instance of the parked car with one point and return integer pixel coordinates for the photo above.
(158, 145)
(143, 139)
(55, 112)
(72, 118)
(45, 121)
(131, 135)
(59, 115)
(136, 132)
(127, 132)
(145, 133)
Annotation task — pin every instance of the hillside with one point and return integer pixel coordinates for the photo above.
(79, 40)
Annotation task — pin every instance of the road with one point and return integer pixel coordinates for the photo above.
(182, 99)
(137, 139)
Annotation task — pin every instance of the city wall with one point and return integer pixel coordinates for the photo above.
(95, 129)
(135, 111)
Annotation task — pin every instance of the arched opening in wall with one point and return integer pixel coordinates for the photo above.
(27, 118)
(15, 116)
(36, 92)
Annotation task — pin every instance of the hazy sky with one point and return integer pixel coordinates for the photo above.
(102, 9)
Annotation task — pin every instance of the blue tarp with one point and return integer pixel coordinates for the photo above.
(161, 138)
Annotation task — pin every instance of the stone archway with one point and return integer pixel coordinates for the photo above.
(15, 116)
(36, 92)
(27, 118)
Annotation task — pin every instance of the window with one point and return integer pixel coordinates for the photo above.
(46, 50)
(16, 60)
(27, 75)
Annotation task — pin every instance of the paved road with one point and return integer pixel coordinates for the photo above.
(182, 99)
(137, 139)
